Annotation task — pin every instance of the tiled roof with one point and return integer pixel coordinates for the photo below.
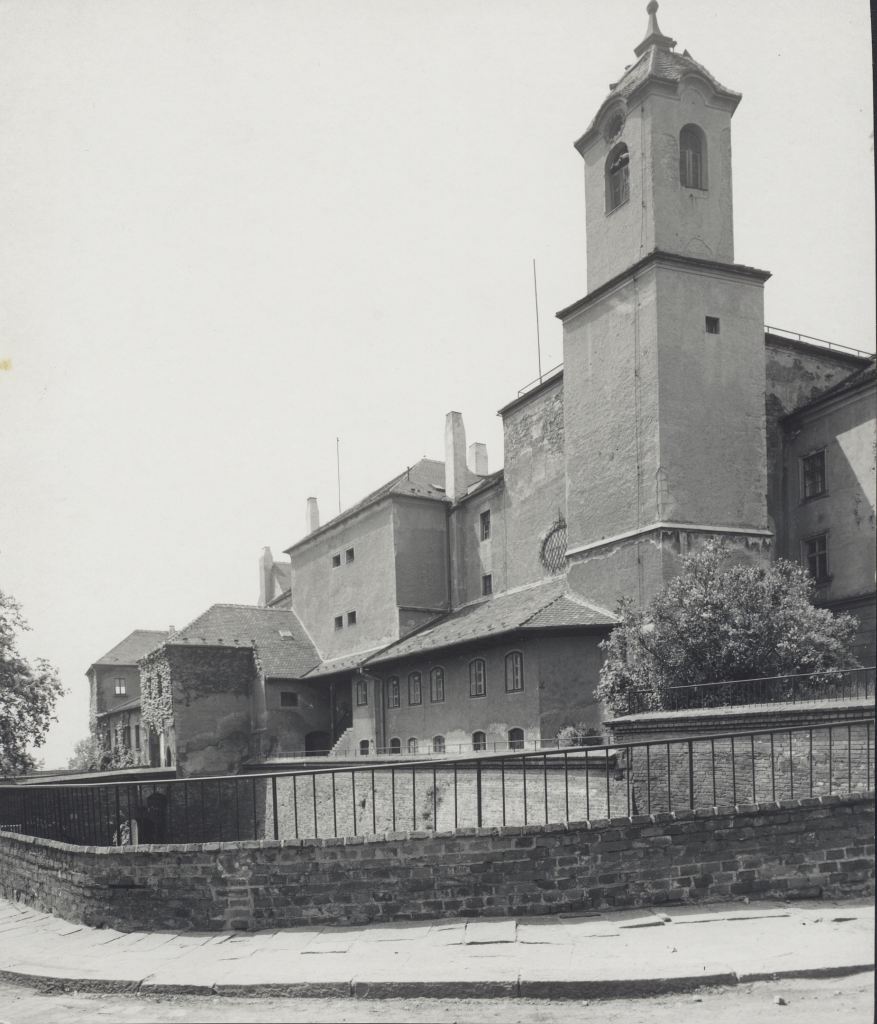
(662, 65)
(864, 375)
(243, 625)
(347, 663)
(425, 479)
(129, 705)
(133, 647)
(544, 605)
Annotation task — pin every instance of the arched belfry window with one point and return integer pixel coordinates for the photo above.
(692, 157)
(617, 177)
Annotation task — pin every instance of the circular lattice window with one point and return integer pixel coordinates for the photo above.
(553, 551)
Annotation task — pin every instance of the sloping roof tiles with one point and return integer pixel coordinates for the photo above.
(864, 375)
(133, 647)
(545, 605)
(242, 625)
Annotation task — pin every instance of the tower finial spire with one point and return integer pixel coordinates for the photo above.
(654, 36)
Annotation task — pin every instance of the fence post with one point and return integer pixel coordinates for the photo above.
(274, 804)
(690, 777)
(478, 789)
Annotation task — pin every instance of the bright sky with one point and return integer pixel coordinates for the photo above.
(234, 230)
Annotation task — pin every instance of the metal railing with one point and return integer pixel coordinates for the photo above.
(575, 784)
(434, 750)
(830, 684)
(819, 341)
(541, 379)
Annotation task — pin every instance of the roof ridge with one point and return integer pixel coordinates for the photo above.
(543, 608)
(585, 603)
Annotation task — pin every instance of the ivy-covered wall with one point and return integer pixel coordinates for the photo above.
(200, 699)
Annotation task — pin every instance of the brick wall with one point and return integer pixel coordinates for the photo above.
(818, 846)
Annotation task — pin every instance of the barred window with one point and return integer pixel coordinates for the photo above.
(393, 699)
(412, 745)
(552, 554)
(477, 678)
(438, 744)
(437, 685)
(485, 525)
(479, 741)
(361, 692)
(514, 672)
(516, 739)
(813, 474)
(414, 695)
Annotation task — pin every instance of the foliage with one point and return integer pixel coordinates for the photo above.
(28, 694)
(156, 694)
(576, 735)
(714, 623)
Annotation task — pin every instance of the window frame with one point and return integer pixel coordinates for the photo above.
(439, 745)
(339, 622)
(487, 584)
(415, 688)
(474, 682)
(617, 174)
(816, 558)
(413, 745)
(485, 525)
(349, 556)
(351, 618)
(395, 746)
(709, 321)
(436, 685)
(336, 561)
(516, 743)
(367, 745)
(805, 475)
(693, 173)
(120, 684)
(479, 744)
(361, 693)
(394, 692)
(520, 665)
(136, 737)
(289, 703)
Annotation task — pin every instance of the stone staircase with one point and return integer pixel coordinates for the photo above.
(344, 742)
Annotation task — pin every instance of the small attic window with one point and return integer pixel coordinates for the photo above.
(712, 325)
(286, 634)
(288, 699)
(349, 555)
(336, 561)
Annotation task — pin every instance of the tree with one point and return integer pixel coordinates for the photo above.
(28, 694)
(715, 623)
(94, 755)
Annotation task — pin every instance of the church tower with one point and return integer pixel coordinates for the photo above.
(664, 357)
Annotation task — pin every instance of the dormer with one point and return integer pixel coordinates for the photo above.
(658, 162)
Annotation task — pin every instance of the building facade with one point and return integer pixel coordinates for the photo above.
(457, 609)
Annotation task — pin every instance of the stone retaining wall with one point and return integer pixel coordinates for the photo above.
(818, 846)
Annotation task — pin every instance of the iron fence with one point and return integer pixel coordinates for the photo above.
(577, 783)
(840, 684)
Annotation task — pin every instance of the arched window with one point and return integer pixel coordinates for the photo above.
(395, 745)
(479, 741)
(516, 739)
(414, 696)
(412, 746)
(363, 747)
(393, 692)
(477, 678)
(361, 693)
(438, 744)
(437, 685)
(617, 177)
(692, 157)
(514, 672)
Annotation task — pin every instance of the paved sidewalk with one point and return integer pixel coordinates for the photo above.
(606, 955)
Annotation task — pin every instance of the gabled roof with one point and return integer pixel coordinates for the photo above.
(248, 626)
(129, 705)
(544, 605)
(425, 479)
(866, 374)
(133, 647)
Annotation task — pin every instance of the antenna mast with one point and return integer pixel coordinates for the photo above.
(338, 463)
(538, 342)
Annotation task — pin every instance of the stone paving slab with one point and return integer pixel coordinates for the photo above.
(571, 956)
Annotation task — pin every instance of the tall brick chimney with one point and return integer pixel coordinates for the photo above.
(266, 578)
(313, 515)
(456, 478)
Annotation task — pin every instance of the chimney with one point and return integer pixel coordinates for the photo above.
(172, 630)
(456, 479)
(313, 516)
(266, 578)
(478, 459)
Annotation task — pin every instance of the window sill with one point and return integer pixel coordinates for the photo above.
(813, 497)
(620, 206)
(477, 696)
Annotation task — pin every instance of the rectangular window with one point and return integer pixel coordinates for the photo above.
(348, 555)
(351, 618)
(288, 699)
(437, 685)
(486, 584)
(485, 525)
(120, 686)
(336, 561)
(339, 622)
(816, 554)
(126, 737)
(813, 475)
(136, 737)
(514, 672)
(361, 693)
(477, 678)
(414, 693)
(393, 692)
(712, 325)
